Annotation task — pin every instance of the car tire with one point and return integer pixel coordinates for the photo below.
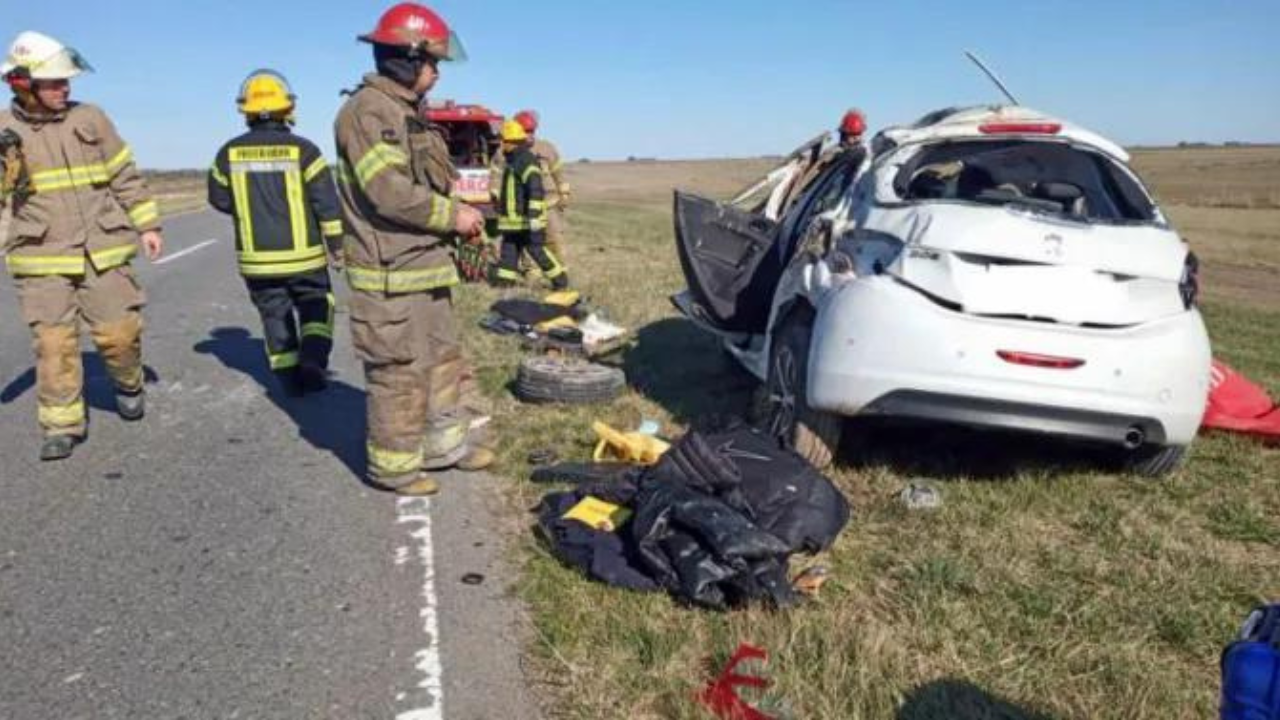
(814, 434)
(1155, 461)
(566, 380)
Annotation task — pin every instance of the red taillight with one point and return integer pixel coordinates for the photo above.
(1051, 362)
(1020, 128)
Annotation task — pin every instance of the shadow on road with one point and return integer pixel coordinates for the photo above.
(333, 420)
(99, 393)
(960, 700)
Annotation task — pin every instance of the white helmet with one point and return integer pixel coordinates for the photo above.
(44, 58)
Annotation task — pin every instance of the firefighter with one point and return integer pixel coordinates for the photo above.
(278, 188)
(852, 127)
(395, 182)
(522, 211)
(554, 183)
(80, 210)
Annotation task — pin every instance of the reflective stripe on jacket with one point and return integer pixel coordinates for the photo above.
(89, 201)
(279, 189)
(395, 180)
(522, 205)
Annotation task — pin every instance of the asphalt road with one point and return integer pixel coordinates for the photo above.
(222, 559)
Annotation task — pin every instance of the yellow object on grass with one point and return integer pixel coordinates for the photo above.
(632, 447)
(563, 298)
(598, 514)
(562, 321)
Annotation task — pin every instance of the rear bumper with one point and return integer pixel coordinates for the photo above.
(882, 348)
(1122, 430)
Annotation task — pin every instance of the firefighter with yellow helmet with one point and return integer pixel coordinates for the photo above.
(80, 211)
(278, 188)
(522, 211)
(396, 185)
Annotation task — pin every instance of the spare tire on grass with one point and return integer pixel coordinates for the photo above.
(567, 380)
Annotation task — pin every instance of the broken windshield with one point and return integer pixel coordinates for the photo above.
(1050, 177)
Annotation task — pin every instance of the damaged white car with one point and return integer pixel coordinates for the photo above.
(991, 267)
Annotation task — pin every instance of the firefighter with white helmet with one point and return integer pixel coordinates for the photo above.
(278, 188)
(396, 185)
(80, 211)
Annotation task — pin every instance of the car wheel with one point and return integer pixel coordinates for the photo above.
(565, 380)
(813, 434)
(1155, 461)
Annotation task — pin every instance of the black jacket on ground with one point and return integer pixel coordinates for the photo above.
(715, 521)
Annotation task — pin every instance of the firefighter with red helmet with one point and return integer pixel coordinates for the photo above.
(852, 127)
(395, 182)
(556, 185)
(80, 211)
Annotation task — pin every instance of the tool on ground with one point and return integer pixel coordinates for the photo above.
(633, 447)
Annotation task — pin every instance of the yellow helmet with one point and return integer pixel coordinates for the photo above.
(513, 132)
(264, 94)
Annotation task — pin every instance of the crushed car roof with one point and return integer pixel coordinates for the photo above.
(991, 120)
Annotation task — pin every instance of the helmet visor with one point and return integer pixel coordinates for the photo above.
(454, 51)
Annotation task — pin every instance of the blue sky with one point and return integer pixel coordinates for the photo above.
(709, 78)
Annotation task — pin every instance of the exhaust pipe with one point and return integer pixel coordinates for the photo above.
(1134, 437)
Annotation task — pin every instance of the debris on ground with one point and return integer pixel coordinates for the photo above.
(919, 496)
(633, 447)
(542, 456)
(810, 580)
(567, 380)
(1238, 405)
(721, 695)
(713, 522)
(578, 473)
(561, 322)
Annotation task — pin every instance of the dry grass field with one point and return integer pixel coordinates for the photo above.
(1047, 587)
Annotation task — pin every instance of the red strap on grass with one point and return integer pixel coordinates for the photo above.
(720, 696)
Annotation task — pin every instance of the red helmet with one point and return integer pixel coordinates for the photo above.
(528, 120)
(853, 123)
(417, 28)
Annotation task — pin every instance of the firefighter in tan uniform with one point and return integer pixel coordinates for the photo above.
(80, 209)
(555, 185)
(395, 183)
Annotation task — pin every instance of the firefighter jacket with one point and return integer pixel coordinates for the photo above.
(395, 179)
(279, 189)
(554, 182)
(522, 204)
(87, 202)
(553, 179)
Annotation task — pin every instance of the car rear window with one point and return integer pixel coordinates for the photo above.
(1050, 177)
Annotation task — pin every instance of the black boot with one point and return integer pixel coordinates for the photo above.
(312, 378)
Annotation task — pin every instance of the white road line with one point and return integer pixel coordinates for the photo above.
(417, 511)
(188, 251)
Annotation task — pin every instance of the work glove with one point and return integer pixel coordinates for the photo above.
(15, 181)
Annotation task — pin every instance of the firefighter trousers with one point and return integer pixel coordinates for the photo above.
(408, 343)
(514, 244)
(556, 230)
(291, 304)
(55, 307)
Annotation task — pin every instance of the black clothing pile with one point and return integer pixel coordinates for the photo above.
(714, 522)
